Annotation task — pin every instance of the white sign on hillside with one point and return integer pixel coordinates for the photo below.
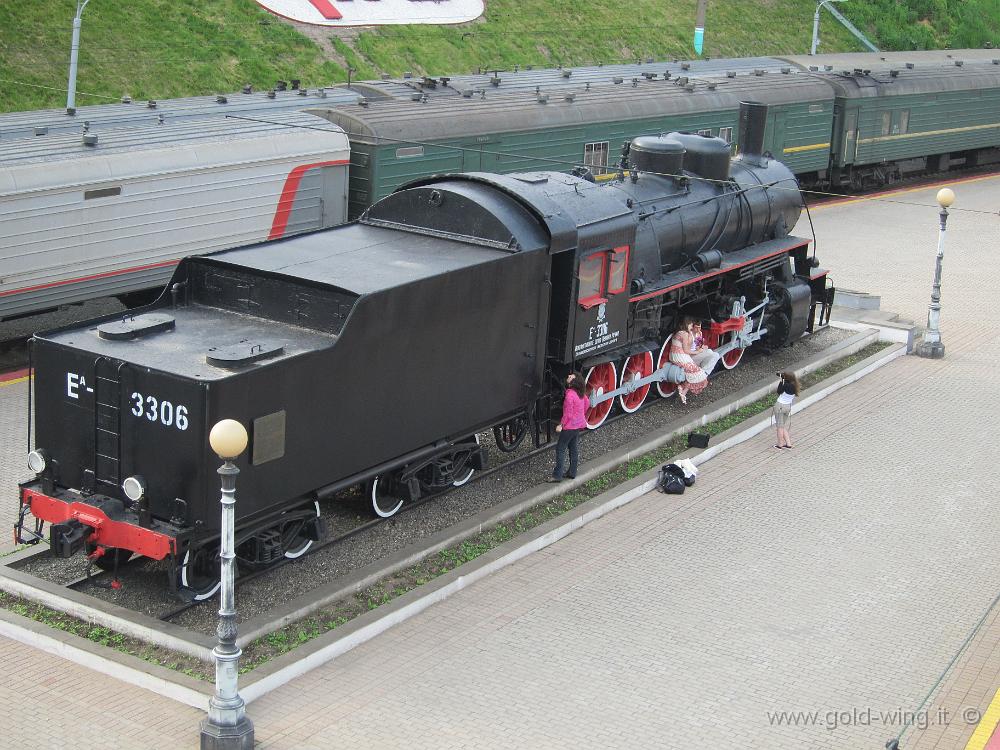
(375, 12)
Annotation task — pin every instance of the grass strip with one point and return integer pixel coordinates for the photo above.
(334, 615)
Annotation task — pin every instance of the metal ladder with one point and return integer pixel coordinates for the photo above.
(107, 423)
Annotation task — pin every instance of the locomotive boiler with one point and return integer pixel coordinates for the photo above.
(375, 354)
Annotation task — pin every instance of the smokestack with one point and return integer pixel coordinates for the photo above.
(753, 121)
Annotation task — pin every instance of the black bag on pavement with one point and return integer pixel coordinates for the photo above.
(671, 480)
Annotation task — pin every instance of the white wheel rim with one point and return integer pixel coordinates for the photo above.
(635, 376)
(467, 477)
(198, 596)
(600, 392)
(291, 555)
(374, 497)
(660, 384)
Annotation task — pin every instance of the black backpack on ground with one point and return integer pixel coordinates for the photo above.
(671, 480)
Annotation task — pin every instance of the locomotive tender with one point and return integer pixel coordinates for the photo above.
(374, 354)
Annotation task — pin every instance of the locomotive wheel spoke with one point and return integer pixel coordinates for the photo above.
(294, 539)
(664, 388)
(600, 380)
(637, 366)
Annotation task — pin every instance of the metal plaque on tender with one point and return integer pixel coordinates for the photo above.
(268, 437)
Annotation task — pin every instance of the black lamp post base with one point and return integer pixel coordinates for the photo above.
(930, 350)
(239, 737)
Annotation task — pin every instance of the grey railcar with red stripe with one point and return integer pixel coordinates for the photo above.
(377, 353)
(111, 213)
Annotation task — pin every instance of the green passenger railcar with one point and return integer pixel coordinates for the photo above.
(898, 122)
(395, 141)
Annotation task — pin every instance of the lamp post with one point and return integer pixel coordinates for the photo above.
(74, 54)
(819, 6)
(227, 726)
(932, 345)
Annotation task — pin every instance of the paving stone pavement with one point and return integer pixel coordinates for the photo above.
(836, 579)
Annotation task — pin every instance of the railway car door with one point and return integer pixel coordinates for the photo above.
(777, 135)
(602, 301)
(850, 151)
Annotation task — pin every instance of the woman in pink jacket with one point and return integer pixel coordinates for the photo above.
(573, 422)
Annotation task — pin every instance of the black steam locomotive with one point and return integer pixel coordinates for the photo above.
(374, 354)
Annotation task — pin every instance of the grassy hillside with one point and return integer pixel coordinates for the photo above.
(167, 48)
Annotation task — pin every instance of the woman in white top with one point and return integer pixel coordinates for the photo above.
(788, 389)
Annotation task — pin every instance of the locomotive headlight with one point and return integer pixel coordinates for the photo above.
(134, 488)
(38, 460)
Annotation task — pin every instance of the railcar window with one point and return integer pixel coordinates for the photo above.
(618, 275)
(403, 153)
(707, 132)
(591, 277)
(726, 134)
(102, 193)
(886, 122)
(596, 155)
(904, 121)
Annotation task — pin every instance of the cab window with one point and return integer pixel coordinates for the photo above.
(591, 276)
(618, 273)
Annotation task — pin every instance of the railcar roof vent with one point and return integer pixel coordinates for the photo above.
(445, 79)
(248, 89)
(242, 353)
(910, 66)
(858, 71)
(495, 80)
(712, 86)
(893, 73)
(682, 81)
(303, 92)
(363, 101)
(296, 82)
(407, 74)
(41, 130)
(666, 75)
(90, 139)
(416, 96)
(959, 63)
(866, 72)
(618, 79)
(685, 66)
(220, 99)
(281, 85)
(133, 326)
(467, 93)
(828, 67)
(271, 94)
(543, 98)
(570, 97)
(730, 74)
(814, 68)
(786, 71)
(689, 87)
(759, 71)
(386, 76)
(996, 60)
(126, 99)
(567, 73)
(649, 76)
(649, 60)
(151, 104)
